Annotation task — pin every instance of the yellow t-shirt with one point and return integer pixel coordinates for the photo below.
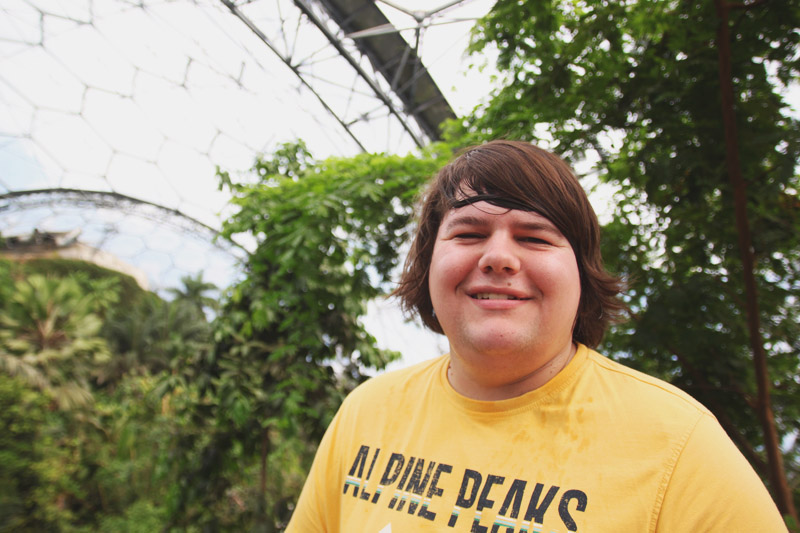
(599, 448)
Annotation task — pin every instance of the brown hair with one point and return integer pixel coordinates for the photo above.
(516, 175)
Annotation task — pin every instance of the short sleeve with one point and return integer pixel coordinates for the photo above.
(713, 488)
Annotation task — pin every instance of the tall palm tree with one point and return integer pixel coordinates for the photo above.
(149, 336)
(49, 337)
(195, 291)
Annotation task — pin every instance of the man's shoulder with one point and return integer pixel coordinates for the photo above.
(643, 390)
(413, 379)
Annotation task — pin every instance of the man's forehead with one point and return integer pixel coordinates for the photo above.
(494, 199)
(482, 214)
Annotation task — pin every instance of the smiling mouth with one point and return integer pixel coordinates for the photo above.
(495, 296)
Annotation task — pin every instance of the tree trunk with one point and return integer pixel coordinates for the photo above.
(262, 524)
(264, 456)
(777, 474)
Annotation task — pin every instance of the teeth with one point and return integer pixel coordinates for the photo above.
(494, 296)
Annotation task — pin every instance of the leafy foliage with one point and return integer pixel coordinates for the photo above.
(153, 334)
(189, 424)
(50, 338)
(22, 412)
(637, 84)
(288, 340)
(103, 461)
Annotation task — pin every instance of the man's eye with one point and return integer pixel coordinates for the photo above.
(535, 240)
(469, 236)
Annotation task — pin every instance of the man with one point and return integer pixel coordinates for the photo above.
(522, 427)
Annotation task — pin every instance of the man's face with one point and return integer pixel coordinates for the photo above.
(505, 287)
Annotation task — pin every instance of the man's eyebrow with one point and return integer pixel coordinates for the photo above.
(539, 226)
(465, 220)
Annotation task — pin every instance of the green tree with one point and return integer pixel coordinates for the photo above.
(288, 340)
(98, 457)
(683, 103)
(22, 415)
(151, 334)
(49, 337)
(131, 458)
(194, 292)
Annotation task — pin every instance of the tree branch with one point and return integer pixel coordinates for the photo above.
(747, 5)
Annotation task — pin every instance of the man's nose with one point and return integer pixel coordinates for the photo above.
(500, 255)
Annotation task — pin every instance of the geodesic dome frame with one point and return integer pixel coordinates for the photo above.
(135, 104)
